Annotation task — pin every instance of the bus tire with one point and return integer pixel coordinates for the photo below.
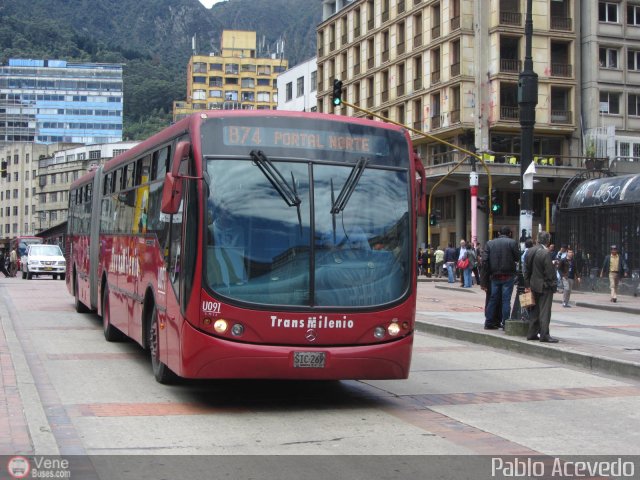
(161, 372)
(79, 306)
(111, 333)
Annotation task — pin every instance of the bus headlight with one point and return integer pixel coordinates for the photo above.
(378, 332)
(220, 325)
(393, 329)
(237, 330)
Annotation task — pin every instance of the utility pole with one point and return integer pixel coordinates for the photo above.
(527, 100)
(473, 185)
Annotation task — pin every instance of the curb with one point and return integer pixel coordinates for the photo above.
(583, 360)
(610, 308)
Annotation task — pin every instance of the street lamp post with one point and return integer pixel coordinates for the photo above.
(527, 100)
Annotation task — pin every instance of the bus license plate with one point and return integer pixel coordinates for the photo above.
(308, 359)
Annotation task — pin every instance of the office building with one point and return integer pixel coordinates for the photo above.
(298, 86)
(53, 101)
(241, 75)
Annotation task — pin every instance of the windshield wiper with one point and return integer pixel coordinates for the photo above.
(349, 186)
(288, 194)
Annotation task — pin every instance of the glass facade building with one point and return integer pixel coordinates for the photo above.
(49, 101)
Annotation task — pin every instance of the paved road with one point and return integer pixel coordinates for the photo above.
(64, 390)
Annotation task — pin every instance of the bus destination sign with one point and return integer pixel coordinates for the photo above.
(261, 137)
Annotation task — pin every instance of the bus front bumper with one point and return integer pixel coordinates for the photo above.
(205, 356)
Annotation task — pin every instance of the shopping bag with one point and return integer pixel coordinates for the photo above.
(527, 300)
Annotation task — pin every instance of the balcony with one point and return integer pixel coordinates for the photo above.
(356, 69)
(455, 23)
(435, 121)
(417, 84)
(510, 65)
(371, 62)
(385, 16)
(561, 116)
(561, 23)
(370, 102)
(455, 69)
(320, 51)
(343, 74)
(435, 77)
(370, 24)
(356, 32)
(435, 32)
(385, 56)
(400, 6)
(332, 46)
(417, 125)
(510, 113)
(344, 39)
(385, 96)
(417, 40)
(400, 48)
(561, 70)
(400, 90)
(455, 116)
(511, 18)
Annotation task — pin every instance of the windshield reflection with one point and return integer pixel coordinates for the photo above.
(258, 250)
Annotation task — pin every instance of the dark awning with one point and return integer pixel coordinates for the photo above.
(607, 191)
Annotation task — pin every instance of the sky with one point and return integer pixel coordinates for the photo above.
(209, 3)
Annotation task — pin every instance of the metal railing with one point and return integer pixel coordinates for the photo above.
(561, 70)
(511, 18)
(561, 23)
(510, 65)
(509, 113)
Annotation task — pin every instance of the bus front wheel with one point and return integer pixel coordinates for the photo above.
(80, 307)
(161, 372)
(111, 333)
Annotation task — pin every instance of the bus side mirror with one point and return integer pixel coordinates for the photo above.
(172, 189)
(171, 194)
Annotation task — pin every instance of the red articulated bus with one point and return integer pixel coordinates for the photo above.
(250, 244)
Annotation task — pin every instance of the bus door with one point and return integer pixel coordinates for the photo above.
(180, 262)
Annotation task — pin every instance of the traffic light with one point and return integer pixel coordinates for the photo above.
(4, 170)
(337, 92)
(482, 203)
(433, 219)
(496, 206)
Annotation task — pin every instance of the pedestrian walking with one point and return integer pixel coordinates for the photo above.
(568, 274)
(500, 258)
(465, 258)
(3, 268)
(614, 266)
(13, 262)
(450, 260)
(540, 278)
(439, 257)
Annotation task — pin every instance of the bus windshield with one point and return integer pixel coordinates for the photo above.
(263, 249)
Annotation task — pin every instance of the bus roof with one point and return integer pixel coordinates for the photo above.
(192, 123)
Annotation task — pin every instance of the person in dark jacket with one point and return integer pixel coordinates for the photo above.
(450, 259)
(3, 268)
(500, 258)
(540, 278)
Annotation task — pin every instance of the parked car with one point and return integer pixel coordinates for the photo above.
(43, 260)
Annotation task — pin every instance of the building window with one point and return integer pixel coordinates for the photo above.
(608, 57)
(263, 96)
(199, 67)
(634, 105)
(633, 15)
(26, 193)
(94, 154)
(610, 103)
(215, 66)
(231, 69)
(15, 211)
(26, 209)
(608, 12)
(633, 60)
(289, 92)
(314, 80)
(248, 83)
(15, 176)
(15, 159)
(199, 79)
(300, 87)
(15, 193)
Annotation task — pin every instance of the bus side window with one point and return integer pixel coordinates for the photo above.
(160, 163)
(144, 169)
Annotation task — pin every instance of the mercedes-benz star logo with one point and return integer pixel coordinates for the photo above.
(310, 335)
